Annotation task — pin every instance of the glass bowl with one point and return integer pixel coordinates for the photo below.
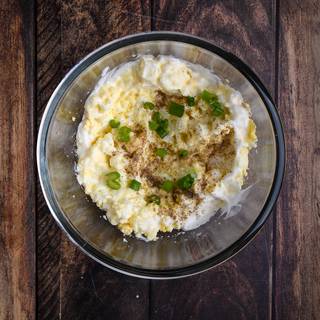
(180, 253)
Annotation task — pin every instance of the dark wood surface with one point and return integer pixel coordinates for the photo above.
(17, 162)
(297, 232)
(44, 276)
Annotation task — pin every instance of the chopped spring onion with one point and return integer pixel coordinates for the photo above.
(207, 96)
(134, 185)
(148, 105)
(176, 109)
(183, 153)
(153, 125)
(113, 180)
(162, 132)
(212, 100)
(159, 125)
(113, 184)
(217, 108)
(185, 182)
(114, 123)
(167, 185)
(156, 117)
(161, 152)
(115, 175)
(190, 101)
(124, 134)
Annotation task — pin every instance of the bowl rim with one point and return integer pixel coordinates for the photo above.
(90, 250)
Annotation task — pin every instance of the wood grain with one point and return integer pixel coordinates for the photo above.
(297, 278)
(71, 285)
(242, 287)
(271, 278)
(91, 291)
(86, 25)
(49, 73)
(17, 206)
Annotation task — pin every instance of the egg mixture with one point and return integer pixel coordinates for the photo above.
(163, 144)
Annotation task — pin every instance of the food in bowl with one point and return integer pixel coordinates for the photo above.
(163, 145)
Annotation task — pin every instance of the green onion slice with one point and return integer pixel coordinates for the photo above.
(134, 185)
(183, 153)
(113, 175)
(176, 109)
(124, 134)
(159, 125)
(162, 132)
(161, 152)
(167, 185)
(185, 182)
(148, 105)
(153, 125)
(217, 108)
(213, 101)
(113, 184)
(156, 117)
(207, 96)
(113, 180)
(191, 101)
(114, 123)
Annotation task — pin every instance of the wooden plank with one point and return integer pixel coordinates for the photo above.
(91, 291)
(72, 286)
(242, 287)
(49, 73)
(17, 205)
(297, 277)
(88, 25)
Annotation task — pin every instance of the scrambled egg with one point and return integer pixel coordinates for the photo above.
(217, 147)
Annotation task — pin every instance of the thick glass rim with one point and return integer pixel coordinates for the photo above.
(71, 232)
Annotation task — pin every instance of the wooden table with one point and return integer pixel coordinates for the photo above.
(44, 276)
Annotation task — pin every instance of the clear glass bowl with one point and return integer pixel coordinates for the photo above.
(181, 253)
